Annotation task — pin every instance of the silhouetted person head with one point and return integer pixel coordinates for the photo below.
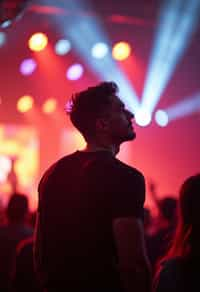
(17, 208)
(190, 201)
(168, 208)
(147, 218)
(178, 269)
(100, 115)
(187, 237)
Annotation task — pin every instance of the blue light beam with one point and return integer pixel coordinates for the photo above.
(84, 30)
(184, 108)
(84, 34)
(178, 21)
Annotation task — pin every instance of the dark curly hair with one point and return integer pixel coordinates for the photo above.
(86, 106)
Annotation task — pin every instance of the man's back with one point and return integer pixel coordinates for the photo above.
(79, 197)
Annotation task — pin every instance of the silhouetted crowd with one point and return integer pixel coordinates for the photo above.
(172, 242)
(16, 243)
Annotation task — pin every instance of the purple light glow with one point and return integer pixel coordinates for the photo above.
(74, 72)
(28, 66)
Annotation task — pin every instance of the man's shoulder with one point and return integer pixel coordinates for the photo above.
(62, 162)
(129, 170)
(57, 168)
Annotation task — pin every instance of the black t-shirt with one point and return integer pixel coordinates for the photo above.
(79, 196)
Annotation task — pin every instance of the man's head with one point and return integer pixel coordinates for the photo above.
(98, 112)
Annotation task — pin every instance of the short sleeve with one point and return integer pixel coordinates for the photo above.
(129, 197)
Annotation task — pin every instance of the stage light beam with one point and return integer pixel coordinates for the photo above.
(142, 118)
(25, 103)
(178, 21)
(121, 51)
(49, 106)
(38, 42)
(84, 34)
(75, 72)
(2, 38)
(28, 66)
(99, 50)
(62, 47)
(184, 107)
(161, 118)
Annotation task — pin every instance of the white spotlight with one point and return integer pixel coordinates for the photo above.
(143, 117)
(62, 47)
(161, 118)
(6, 23)
(99, 50)
(2, 38)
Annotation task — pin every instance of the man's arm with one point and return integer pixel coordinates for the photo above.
(134, 265)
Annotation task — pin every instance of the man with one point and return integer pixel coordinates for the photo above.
(89, 235)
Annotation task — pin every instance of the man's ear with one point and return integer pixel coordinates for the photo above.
(102, 124)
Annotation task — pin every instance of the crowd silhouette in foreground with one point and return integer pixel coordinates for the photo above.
(174, 256)
(15, 228)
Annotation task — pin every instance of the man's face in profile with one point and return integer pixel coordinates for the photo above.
(119, 121)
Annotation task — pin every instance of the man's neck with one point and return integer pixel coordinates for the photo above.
(93, 147)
